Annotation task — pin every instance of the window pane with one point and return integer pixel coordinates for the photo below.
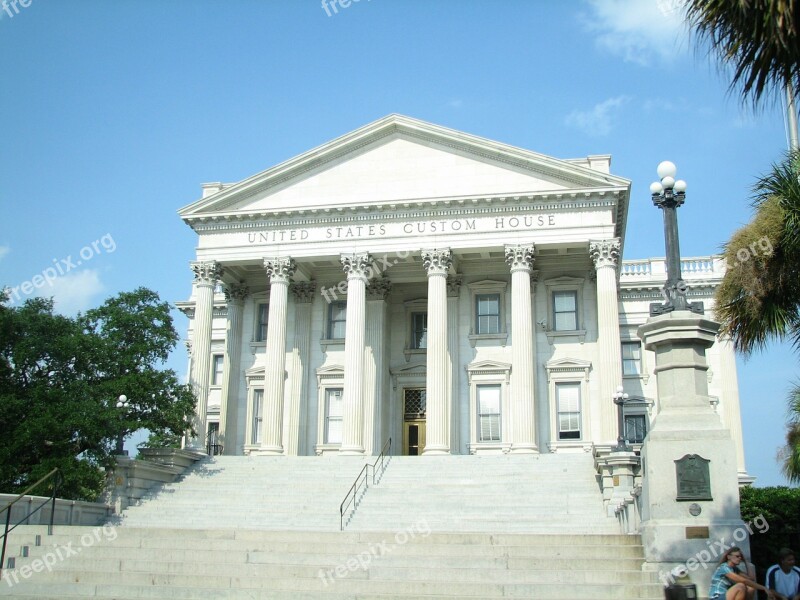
(568, 405)
(565, 301)
(489, 413)
(337, 314)
(419, 330)
(216, 374)
(258, 400)
(487, 313)
(566, 322)
(635, 428)
(261, 324)
(631, 358)
(333, 416)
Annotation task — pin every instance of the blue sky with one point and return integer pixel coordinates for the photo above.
(113, 113)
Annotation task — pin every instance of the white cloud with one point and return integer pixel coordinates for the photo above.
(74, 292)
(4, 250)
(639, 31)
(599, 120)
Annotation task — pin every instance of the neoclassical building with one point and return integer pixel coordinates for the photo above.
(456, 294)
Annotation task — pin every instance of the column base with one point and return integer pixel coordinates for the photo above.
(436, 451)
(524, 449)
(351, 451)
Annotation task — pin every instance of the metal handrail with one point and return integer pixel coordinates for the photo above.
(354, 491)
(386, 448)
(57, 481)
(355, 487)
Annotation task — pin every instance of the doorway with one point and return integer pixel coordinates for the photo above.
(414, 400)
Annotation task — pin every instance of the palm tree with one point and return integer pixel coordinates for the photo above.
(759, 38)
(759, 298)
(789, 455)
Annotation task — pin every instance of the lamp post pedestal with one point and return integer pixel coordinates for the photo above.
(690, 486)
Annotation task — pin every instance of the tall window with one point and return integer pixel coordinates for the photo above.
(489, 413)
(419, 330)
(216, 371)
(635, 428)
(631, 358)
(565, 311)
(258, 401)
(568, 400)
(487, 313)
(333, 416)
(261, 322)
(337, 313)
(213, 446)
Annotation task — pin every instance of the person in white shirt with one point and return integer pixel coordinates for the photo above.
(784, 577)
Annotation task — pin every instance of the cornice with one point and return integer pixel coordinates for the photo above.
(403, 211)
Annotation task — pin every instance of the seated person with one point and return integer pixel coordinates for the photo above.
(784, 577)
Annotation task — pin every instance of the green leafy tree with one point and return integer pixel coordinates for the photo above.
(780, 508)
(59, 383)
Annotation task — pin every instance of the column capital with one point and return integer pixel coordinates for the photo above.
(357, 265)
(235, 292)
(303, 291)
(437, 261)
(280, 268)
(520, 257)
(605, 253)
(454, 285)
(206, 272)
(378, 289)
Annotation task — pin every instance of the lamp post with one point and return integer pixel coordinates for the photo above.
(122, 402)
(668, 195)
(620, 398)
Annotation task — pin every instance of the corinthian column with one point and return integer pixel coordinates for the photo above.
(523, 408)
(279, 270)
(605, 255)
(206, 275)
(229, 411)
(437, 262)
(357, 267)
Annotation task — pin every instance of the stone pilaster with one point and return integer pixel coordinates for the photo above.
(523, 406)
(454, 283)
(437, 262)
(357, 267)
(731, 410)
(605, 254)
(297, 402)
(279, 270)
(206, 276)
(375, 365)
(235, 295)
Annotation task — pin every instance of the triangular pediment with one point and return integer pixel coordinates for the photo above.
(568, 364)
(488, 365)
(399, 160)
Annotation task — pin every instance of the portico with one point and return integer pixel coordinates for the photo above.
(408, 281)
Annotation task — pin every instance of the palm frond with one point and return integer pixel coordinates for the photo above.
(758, 38)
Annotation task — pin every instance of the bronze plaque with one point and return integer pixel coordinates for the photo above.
(697, 533)
(694, 482)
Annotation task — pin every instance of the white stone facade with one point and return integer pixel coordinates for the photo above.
(405, 257)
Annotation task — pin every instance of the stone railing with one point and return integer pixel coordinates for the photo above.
(67, 512)
(132, 479)
(628, 511)
(697, 267)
